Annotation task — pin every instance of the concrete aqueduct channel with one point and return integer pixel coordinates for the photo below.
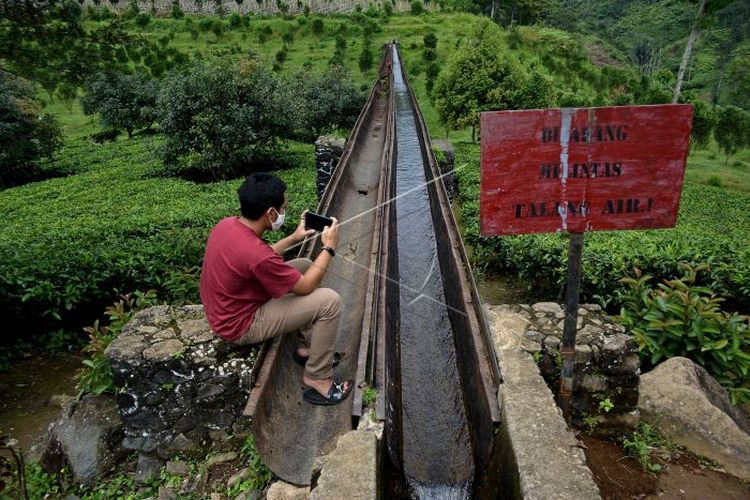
(412, 324)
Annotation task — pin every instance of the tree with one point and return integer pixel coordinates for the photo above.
(26, 134)
(732, 131)
(220, 116)
(365, 57)
(329, 100)
(738, 73)
(706, 8)
(123, 102)
(480, 76)
(704, 121)
(45, 41)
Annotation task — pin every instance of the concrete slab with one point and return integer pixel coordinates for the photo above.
(541, 457)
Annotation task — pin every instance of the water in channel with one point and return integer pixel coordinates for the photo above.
(436, 445)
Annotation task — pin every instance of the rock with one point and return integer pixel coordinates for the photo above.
(507, 326)
(177, 467)
(240, 476)
(60, 400)
(220, 459)
(594, 383)
(167, 493)
(218, 496)
(89, 435)
(164, 350)
(351, 469)
(177, 380)
(547, 308)
(285, 491)
(148, 467)
(692, 409)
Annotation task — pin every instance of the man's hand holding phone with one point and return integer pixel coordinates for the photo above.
(330, 235)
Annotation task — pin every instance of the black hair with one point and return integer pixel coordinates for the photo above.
(259, 192)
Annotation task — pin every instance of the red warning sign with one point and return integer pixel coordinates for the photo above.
(583, 169)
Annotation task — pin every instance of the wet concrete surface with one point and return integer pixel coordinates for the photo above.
(436, 449)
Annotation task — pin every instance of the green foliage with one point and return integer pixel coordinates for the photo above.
(317, 26)
(96, 376)
(26, 133)
(417, 7)
(606, 405)
(123, 102)
(220, 116)
(681, 318)
(644, 442)
(365, 57)
(430, 40)
(68, 245)
(480, 76)
(142, 19)
(369, 394)
(704, 121)
(260, 475)
(47, 43)
(40, 484)
(329, 100)
(732, 130)
(177, 12)
(715, 181)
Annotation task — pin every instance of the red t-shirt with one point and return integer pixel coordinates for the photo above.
(241, 272)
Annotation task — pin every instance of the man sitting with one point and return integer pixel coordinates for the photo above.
(250, 294)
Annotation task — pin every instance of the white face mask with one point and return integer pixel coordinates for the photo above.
(276, 225)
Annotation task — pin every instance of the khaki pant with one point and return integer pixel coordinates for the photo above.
(314, 316)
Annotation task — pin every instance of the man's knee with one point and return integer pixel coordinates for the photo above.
(330, 300)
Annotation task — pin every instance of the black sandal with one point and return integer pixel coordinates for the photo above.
(302, 360)
(336, 394)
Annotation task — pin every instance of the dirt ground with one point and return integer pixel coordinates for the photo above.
(682, 476)
(25, 391)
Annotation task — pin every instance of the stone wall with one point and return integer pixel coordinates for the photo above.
(179, 386)
(607, 365)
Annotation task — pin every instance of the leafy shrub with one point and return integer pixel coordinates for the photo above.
(26, 134)
(430, 40)
(96, 376)
(330, 100)
(123, 102)
(365, 57)
(177, 12)
(67, 246)
(259, 475)
(317, 26)
(142, 19)
(387, 9)
(680, 318)
(417, 7)
(281, 55)
(732, 130)
(221, 116)
(715, 181)
(235, 20)
(704, 121)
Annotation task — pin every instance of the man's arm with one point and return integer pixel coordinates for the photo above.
(314, 274)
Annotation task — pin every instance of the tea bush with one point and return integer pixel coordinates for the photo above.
(679, 318)
(712, 228)
(68, 245)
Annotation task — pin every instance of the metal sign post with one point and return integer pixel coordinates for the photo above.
(568, 346)
(582, 169)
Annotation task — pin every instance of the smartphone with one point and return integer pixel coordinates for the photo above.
(317, 221)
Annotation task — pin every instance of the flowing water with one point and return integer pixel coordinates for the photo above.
(436, 444)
